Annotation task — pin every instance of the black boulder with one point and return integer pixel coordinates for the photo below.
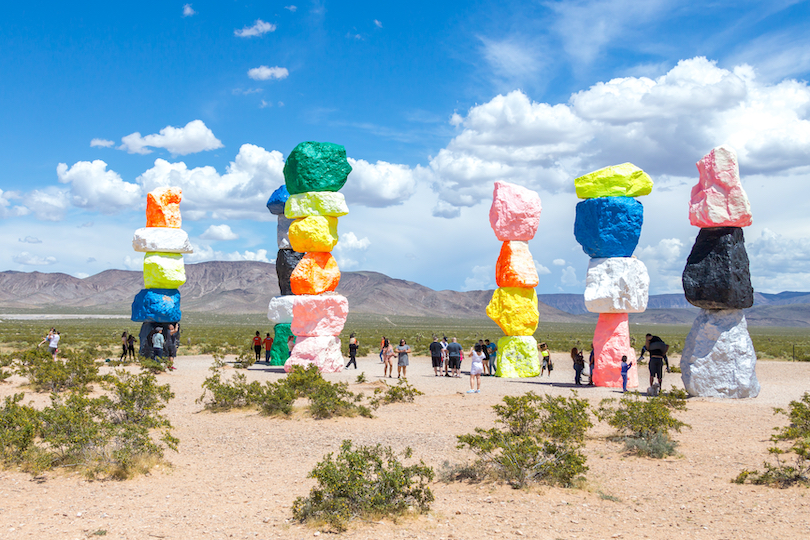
(716, 274)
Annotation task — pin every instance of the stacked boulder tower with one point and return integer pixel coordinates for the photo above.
(163, 243)
(514, 217)
(280, 309)
(308, 273)
(608, 226)
(718, 357)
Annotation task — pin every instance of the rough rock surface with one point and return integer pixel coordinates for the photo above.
(144, 346)
(514, 309)
(611, 341)
(515, 212)
(163, 239)
(515, 266)
(279, 352)
(323, 351)
(316, 166)
(316, 203)
(280, 309)
(277, 201)
(517, 357)
(316, 273)
(286, 261)
(609, 226)
(163, 207)
(616, 285)
(163, 271)
(283, 232)
(321, 315)
(718, 357)
(314, 233)
(718, 199)
(716, 275)
(625, 180)
(156, 305)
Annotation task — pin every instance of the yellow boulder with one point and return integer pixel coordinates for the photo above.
(313, 233)
(515, 310)
(163, 270)
(625, 180)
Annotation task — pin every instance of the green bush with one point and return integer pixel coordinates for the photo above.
(74, 369)
(245, 359)
(19, 426)
(403, 392)
(367, 482)
(644, 424)
(797, 432)
(335, 399)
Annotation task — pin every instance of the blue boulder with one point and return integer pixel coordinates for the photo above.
(277, 200)
(609, 226)
(156, 305)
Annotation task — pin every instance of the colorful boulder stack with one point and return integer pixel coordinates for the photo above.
(718, 357)
(163, 243)
(514, 216)
(308, 273)
(608, 226)
(280, 309)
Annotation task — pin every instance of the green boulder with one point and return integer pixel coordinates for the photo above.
(315, 166)
(625, 180)
(279, 351)
(517, 357)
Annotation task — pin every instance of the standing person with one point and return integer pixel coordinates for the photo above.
(388, 362)
(545, 356)
(383, 344)
(157, 343)
(268, 345)
(257, 346)
(445, 355)
(493, 356)
(436, 356)
(131, 346)
(172, 341)
(52, 339)
(625, 368)
(124, 338)
(485, 350)
(47, 337)
(658, 357)
(402, 360)
(290, 343)
(476, 368)
(454, 357)
(579, 365)
(591, 366)
(353, 346)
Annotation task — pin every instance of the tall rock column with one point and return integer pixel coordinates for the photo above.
(163, 243)
(608, 225)
(514, 216)
(279, 310)
(718, 357)
(313, 175)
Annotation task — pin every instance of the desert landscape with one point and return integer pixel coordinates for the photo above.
(237, 473)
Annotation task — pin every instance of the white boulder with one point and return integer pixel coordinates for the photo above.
(718, 357)
(283, 232)
(161, 239)
(616, 285)
(280, 310)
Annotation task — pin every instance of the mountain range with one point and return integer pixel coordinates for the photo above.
(247, 286)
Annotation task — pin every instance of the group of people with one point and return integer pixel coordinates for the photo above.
(164, 344)
(127, 346)
(387, 352)
(52, 339)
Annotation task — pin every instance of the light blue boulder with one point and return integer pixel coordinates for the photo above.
(609, 226)
(156, 305)
(277, 200)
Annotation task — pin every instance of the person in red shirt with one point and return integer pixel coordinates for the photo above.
(268, 344)
(257, 345)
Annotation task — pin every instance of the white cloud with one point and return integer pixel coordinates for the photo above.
(219, 232)
(263, 73)
(7, 209)
(481, 279)
(102, 143)
(558, 262)
(779, 263)
(31, 240)
(569, 277)
(665, 262)
(291, 9)
(377, 23)
(349, 240)
(259, 28)
(246, 91)
(445, 210)
(207, 253)
(541, 270)
(380, 184)
(264, 104)
(188, 11)
(49, 203)
(193, 137)
(512, 59)
(343, 250)
(28, 259)
(92, 186)
(82, 275)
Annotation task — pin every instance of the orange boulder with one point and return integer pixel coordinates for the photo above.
(316, 273)
(515, 267)
(163, 207)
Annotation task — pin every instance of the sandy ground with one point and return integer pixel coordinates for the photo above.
(237, 473)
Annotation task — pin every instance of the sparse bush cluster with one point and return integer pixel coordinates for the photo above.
(73, 370)
(403, 392)
(797, 434)
(365, 482)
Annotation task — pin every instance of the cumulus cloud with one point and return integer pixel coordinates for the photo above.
(219, 232)
(377, 23)
(380, 184)
(511, 60)
(569, 277)
(193, 137)
(92, 186)
(541, 270)
(480, 280)
(28, 259)
(101, 143)
(291, 9)
(664, 262)
(188, 11)
(259, 28)
(263, 73)
(558, 262)
(30, 240)
(348, 248)
(50, 203)
(7, 208)
(207, 253)
(779, 263)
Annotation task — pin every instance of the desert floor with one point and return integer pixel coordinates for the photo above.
(237, 473)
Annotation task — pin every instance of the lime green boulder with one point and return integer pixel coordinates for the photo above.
(279, 352)
(316, 166)
(163, 270)
(625, 180)
(315, 203)
(517, 357)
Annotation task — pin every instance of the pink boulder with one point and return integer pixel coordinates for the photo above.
(515, 212)
(611, 341)
(323, 351)
(319, 315)
(718, 199)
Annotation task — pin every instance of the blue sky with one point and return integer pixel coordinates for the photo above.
(102, 102)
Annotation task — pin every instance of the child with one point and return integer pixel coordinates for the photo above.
(625, 368)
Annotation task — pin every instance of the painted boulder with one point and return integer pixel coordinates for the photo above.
(515, 212)
(316, 273)
(277, 201)
(156, 305)
(286, 261)
(716, 275)
(316, 166)
(314, 233)
(515, 266)
(280, 309)
(616, 285)
(514, 309)
(718, 199)
(283, 232)
(609, 226)
(321, 315)
(163, 239)
(625, 180)
(163, 270)
(316, 203)
(517, 357)
(323, 351)
(163, 207)
(280, 351)
(611, 341)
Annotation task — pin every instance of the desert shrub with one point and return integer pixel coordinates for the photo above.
(365, 482)
(335, 399)
(245, 359)
(275, 399)
(541, 442)
(223, 395)
(361, 378)
(304, 381)
(403, 392)
(644, 424)
(19, 426)
(74, 369)
(151, 365)
(797, 433)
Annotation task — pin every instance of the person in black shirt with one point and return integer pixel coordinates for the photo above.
(436, 355)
